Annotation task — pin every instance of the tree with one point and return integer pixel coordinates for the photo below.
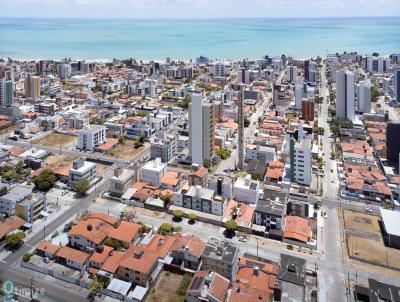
(230, 227)
(257, 176)
(19, 167)
(15, 240)
(99, 282)
(192, 217)
(375, 93)
(165, 228)
(45, 180)
(82, 186)
(116, 244)
(223, 153)
(178, 214)
(246, 122)
(27, 172)
(167, 200)
(8, 175)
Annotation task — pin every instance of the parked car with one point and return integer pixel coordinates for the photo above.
(242, 239)
(46, 259)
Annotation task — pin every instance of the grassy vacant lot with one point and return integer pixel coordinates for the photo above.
(125, 151)
(361, 222)
(56, 140)
(365, 242)
(58, 160)
(166, 288)
(372, 249)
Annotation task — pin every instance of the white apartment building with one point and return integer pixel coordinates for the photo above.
(265, 153)
(246, 189)
(298, 95)
(121, 181)
(64, 71)
(91, 137)
(345, 96)
(153, 171)
(301, 161)
(81, 169)
(222, 185)
(117, 85)
(201, 199)
(291, 74)
(201, 129)
(220, 69)
(364, 96)
(377, 64)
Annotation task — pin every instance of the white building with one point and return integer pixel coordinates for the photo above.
(81, 169)
(377, 64)
(246, 189)
(220, 69)
(121, 181)
(298, 95)
(91, 137)
(64, 71)
(201, 199)
(201, 129)
(222, 185)
(301, 161)
(345, 96)
(291, 73)
(254, 152)
(364, 96)
(153, 171)
(115, 86)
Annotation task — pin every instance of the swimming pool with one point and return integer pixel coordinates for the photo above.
(61, 238)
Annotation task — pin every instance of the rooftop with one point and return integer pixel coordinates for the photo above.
(221, 250)
(391, 220)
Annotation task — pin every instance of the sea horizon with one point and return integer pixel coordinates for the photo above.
(223, 38)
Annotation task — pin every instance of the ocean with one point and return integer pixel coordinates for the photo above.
(185, 39)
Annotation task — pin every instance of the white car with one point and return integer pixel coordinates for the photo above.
(242, 239)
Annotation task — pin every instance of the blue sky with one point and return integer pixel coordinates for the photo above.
(197, 8)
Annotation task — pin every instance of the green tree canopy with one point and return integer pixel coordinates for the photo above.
(14, 240)
(192, 216)
(45, 180)
(165, 228)
(178, 214)
(246, 122)
(230, 225)
(82, 186)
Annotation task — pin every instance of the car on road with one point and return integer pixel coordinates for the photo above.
(333, 181)
(46, 260)
(242, 239)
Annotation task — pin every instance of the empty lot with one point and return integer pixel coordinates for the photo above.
(56, 140)
(364, 240)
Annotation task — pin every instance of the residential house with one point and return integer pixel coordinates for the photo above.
(221, 257)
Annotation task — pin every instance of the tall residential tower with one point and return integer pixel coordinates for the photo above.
(201, 129)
